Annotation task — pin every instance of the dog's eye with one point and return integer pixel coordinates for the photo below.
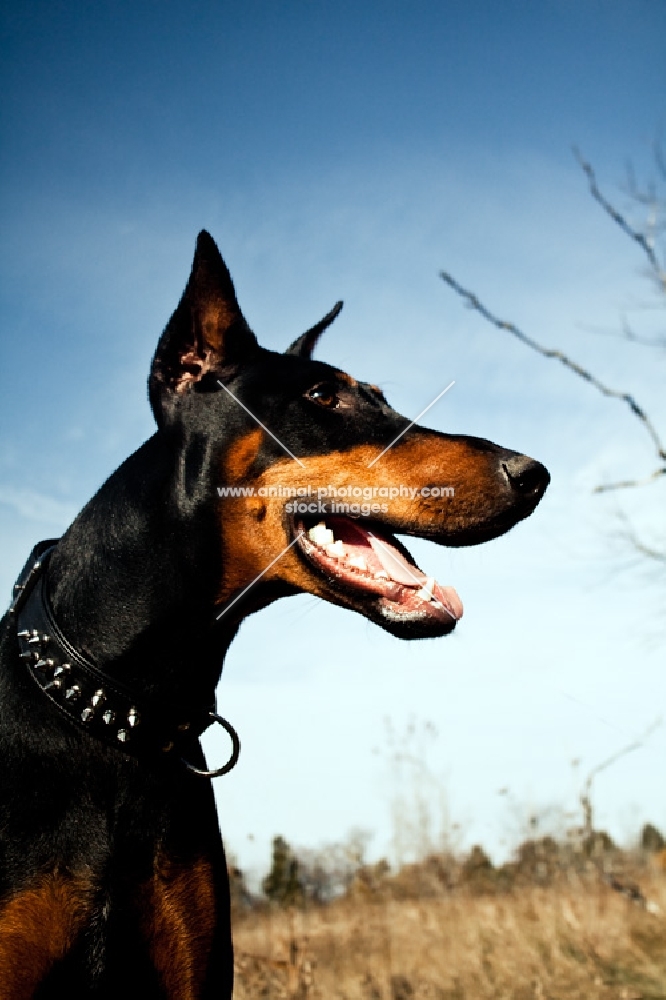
(325, 394)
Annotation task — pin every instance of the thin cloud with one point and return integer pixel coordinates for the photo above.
(36, 506)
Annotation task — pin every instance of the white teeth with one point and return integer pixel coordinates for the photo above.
(337, 549)
(358, 562)
(321, 535)
(425, 593)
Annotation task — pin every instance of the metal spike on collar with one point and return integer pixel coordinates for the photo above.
(85, 694)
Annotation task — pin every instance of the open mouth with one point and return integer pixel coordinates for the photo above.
(370, 567)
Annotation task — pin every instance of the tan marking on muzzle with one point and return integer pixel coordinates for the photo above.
(254, 529)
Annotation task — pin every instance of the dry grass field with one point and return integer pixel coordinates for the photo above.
(541, 929)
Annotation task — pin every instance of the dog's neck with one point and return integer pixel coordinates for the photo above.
(135, 594)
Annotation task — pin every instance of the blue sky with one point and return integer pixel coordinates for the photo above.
(351, 150)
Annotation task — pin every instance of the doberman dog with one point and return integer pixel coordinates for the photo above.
(113, 881)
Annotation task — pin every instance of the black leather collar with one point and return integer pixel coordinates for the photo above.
(91, 699)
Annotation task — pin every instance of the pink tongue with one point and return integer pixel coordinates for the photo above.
(395, 564)
(449, 598)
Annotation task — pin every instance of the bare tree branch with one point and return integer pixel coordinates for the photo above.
(659, 159)
(657, 555)
(628, 333)
(634, 234)
(585, 797)
(624, 484)
(647, 550)
(546, 352)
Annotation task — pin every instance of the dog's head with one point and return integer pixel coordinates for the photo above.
(311, 474)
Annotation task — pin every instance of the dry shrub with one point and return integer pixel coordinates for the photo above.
(464, 930)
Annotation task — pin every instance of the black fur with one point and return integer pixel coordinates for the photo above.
(133, 586)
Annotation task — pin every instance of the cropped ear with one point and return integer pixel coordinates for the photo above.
(305, 345)
(206, 334)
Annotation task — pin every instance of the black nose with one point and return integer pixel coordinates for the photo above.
(527, 477)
